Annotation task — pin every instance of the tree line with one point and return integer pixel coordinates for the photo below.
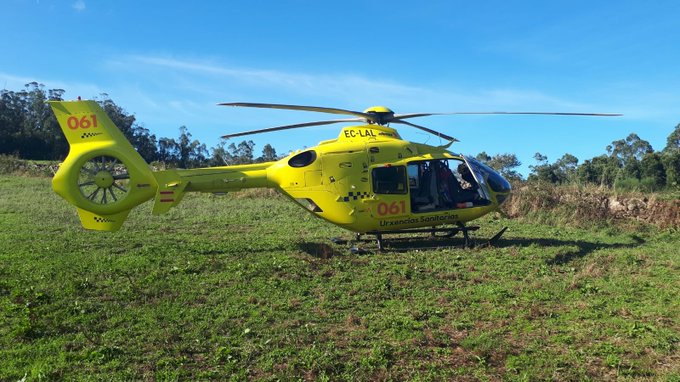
(629, 164)
(29, 130)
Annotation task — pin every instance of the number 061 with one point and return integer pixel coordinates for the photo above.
(85, 122)
(394, 208)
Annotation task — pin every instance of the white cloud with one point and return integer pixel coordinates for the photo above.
(12, 82)
(73, 89)
(79, 5)
(219, 82)
(310, 84)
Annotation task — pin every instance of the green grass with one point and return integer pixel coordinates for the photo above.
(239, 288)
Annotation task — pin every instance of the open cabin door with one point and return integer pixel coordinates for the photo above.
(445, 184)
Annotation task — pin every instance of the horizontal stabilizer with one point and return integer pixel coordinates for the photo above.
(170, 191)
(97, 222)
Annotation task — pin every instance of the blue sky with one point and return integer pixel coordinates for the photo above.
(171, 62)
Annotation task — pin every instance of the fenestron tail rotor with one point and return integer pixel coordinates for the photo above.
(104, 180)
(380, 115)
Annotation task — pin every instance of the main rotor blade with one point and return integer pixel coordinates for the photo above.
(433, 132)
(415, 115)
(295, 126)
(318, 109)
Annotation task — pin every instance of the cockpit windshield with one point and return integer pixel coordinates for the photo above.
(495, 180)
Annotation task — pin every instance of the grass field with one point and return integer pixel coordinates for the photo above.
(239, 288)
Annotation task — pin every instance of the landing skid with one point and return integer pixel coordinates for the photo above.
(441, 236)
(438, 232)
(448, 232)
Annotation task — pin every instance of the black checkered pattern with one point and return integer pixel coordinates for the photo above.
(103, 220)
(356, 195)
(89, 135)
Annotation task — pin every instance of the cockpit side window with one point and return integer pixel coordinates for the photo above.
(389, 180)
(303, 159)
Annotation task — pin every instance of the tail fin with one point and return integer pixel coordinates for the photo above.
(103, 175)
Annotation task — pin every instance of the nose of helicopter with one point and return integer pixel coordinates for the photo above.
(495, 182)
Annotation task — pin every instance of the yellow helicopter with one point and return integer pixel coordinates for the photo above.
(367, 180)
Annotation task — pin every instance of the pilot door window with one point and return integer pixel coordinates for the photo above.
(442, 184)
(389, 180)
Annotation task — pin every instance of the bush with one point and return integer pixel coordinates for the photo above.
(627, 184)
(10, 164)
(647, 184)
(586, 206)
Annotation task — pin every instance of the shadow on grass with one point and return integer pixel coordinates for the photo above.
(583, 247)
(319, 250)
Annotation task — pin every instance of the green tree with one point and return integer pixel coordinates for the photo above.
(241, 153)
(505, 164)
(191, 153)
(544, 171)
(218, 154)
(601, 170)
(483, 157)
(28, 127)
(168, 151)
(11, 122)
(587, 173)
(141, 138)
(652, 171)
(673, 140)
(671, 163)
(184, 152)
(631, 147)
(268, 154)
(631, 169)
(565, 168)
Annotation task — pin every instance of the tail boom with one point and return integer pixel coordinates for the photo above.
(172, 184)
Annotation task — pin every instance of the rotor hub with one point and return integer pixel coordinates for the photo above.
(383, 115)
(103, 179)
